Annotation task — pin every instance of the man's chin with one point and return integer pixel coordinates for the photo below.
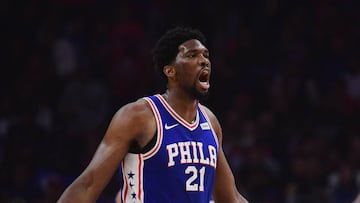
(204, 97)
(201, 95)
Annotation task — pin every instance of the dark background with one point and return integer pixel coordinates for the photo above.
(285, 87)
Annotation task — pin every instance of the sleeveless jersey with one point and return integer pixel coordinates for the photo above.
(179, 168)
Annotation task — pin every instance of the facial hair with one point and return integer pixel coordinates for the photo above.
(196, 94)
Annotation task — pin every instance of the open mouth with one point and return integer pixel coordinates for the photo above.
(204, 79)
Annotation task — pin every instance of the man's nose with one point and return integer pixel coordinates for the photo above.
(204, 62)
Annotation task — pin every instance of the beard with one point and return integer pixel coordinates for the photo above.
(198, 95)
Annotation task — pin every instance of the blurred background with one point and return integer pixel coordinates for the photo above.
(285, 87)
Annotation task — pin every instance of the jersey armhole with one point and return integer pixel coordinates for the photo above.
(135, 149)
(150, 145)
(155, 142)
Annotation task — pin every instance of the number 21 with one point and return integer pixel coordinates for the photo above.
(191, 185)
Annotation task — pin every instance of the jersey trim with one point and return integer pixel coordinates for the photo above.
(211, 127)
(132, 168)
(176, 116)
(159, 127)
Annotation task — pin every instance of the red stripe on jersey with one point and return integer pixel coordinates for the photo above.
(140, 175)
(126, 182)
(190, 126)
(160, 130)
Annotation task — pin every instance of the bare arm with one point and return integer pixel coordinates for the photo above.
(225, 190)
(130, 123)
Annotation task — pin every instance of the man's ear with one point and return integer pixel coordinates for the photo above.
(169, 70)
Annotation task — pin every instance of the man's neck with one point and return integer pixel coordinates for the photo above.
(183, 105)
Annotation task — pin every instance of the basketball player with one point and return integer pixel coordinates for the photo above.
(167, 146)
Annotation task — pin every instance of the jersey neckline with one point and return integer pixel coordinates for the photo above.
(191, 126)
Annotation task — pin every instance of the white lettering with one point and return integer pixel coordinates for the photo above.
(202, 158)
(191, 152)
(195, 158)
(185, 152)
(213, 157)
(172, 152)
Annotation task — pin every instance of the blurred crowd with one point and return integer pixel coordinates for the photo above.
(285, 87)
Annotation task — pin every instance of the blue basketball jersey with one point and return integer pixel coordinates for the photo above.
(179, 168)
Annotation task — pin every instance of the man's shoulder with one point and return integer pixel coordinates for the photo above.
(135, 110)
(210, 114)
(207, 110)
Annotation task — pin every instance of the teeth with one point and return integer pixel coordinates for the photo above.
(205, 85)
(203, 78)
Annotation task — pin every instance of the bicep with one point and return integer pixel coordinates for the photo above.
(112, 149)
(109, 154)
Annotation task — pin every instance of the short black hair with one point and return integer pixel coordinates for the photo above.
(166, 48)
